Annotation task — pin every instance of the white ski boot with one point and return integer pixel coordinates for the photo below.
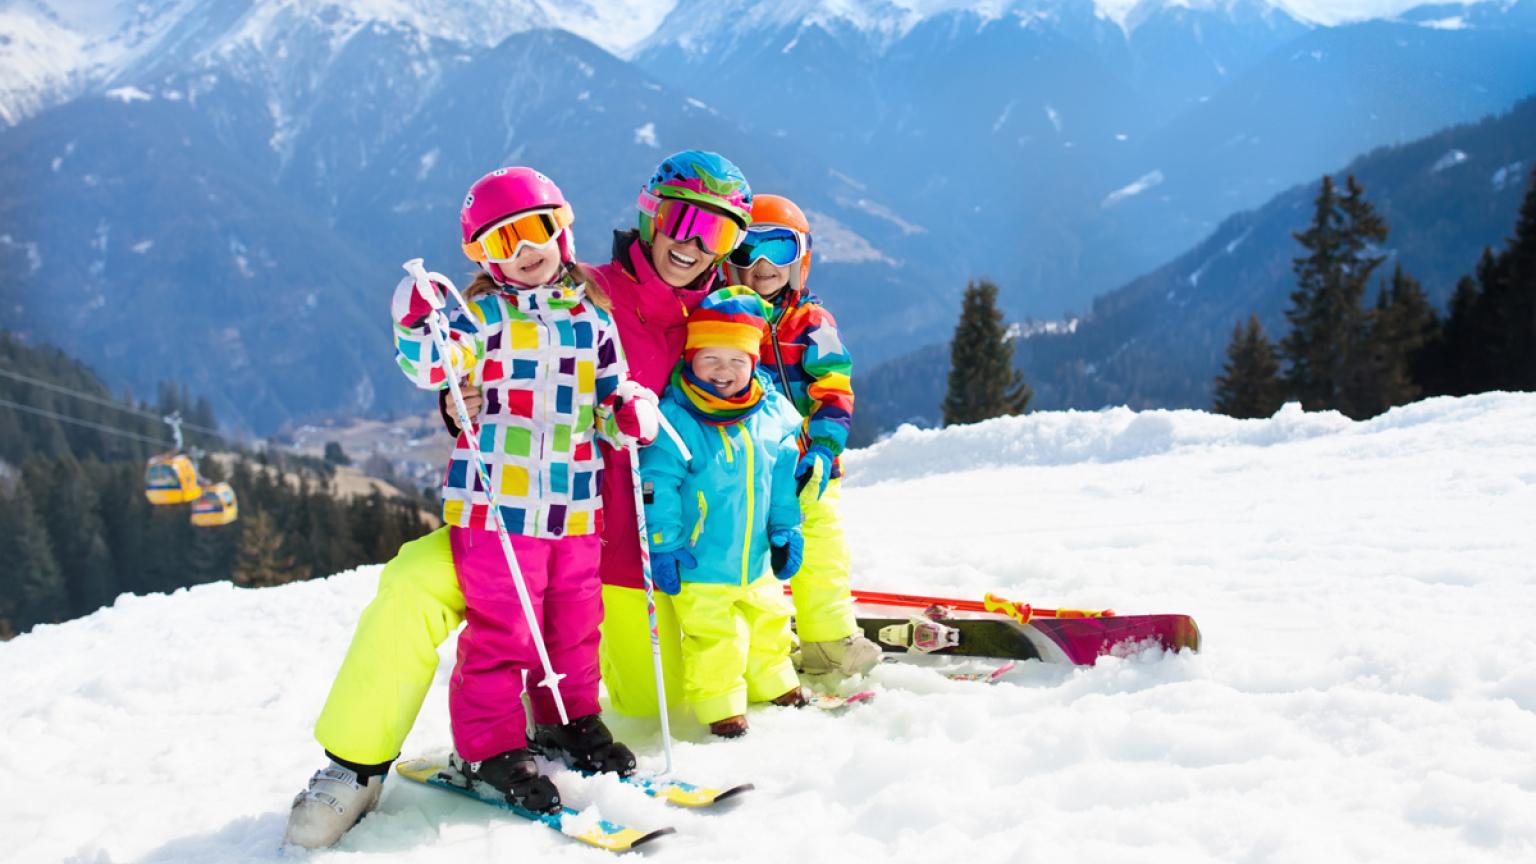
(332, 804)
(849, 656)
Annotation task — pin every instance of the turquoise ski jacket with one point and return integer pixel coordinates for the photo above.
(738, 487)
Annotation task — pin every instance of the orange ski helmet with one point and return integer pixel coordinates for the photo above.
(778, 211)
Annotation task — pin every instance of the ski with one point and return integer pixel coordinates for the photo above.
(990, 676)
(834, 702)
(985, 676)
(681, 792)
(603, 834)
(1005, 629)
(671, 790)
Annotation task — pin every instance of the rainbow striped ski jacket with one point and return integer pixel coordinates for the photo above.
(547, 363)
(809, 364)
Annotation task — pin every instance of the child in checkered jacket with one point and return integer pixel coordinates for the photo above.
(546, 358)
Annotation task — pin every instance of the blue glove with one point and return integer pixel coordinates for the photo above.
(786, 551)
(666, 567)
(814, 455)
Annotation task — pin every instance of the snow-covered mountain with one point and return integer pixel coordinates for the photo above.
(1366, 689)
(1040, 134)
(237, 197)
(273, 158)
(1160, 340)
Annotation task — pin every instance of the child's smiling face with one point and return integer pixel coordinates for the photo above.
(534, 265)
(766, 278)
(726, 369)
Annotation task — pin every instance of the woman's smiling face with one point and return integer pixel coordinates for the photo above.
(679, 264)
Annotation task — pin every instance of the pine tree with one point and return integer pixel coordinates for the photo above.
(260, 562)
(32, 589)
(1402, 324)
(1250, 384)
(69, 508)
(1518, 311)
(982, 381)
(335, 455)
(1328, 349)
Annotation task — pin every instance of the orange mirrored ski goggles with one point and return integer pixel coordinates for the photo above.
(501, 241)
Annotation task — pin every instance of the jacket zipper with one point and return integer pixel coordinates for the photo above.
(778, 359)
(746, 544)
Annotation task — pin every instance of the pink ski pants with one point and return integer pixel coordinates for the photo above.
(496, 647)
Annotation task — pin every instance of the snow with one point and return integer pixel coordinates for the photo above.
(1450, 160)
(128, 95)
(646, 135)
(1055, 118)
(1132, 189)
(1455, 22)
(836, 243)
(1507, 174)
(1367, 690)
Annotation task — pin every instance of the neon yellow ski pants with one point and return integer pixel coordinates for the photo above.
(735, 646)
(823, 603)
(624, 654)
(390, 664)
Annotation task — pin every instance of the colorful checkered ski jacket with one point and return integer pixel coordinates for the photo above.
(808, 362)
(547, 362)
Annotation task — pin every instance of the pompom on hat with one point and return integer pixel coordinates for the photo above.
(731, 317)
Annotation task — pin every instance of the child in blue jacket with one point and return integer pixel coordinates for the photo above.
(718, 519)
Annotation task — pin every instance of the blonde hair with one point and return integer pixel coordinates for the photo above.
(483, 284)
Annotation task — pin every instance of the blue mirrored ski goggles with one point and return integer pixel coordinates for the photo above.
(781, 246)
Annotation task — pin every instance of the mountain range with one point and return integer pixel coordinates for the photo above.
(1160, 341)
(222, 193)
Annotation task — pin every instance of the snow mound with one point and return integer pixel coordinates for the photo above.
(1367, 689)
(1064, 438)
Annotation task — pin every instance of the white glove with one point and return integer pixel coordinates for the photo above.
(637, 414)
(414, 301)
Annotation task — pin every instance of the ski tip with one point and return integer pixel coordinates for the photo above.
(649, 836)
(734, 791)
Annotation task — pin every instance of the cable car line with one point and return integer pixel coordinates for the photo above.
(158, 442)
(110, 403)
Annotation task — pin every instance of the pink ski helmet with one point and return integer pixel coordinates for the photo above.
(505, 193)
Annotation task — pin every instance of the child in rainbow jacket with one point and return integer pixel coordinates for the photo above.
(811, 367)
(717, 518)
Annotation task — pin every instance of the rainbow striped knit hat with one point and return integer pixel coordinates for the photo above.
(731, 317)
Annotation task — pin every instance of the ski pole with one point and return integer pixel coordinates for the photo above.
(438, 323)
(991, 603)
(633, 451)
(650, 606)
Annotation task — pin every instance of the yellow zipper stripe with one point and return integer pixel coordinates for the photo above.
(746, 535)
(698, 527)
(726, 439)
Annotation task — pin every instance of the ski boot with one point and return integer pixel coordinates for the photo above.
(336, 798)
(793, 698)
(734, 726)
(584, 744)
(849, 656)
(515, 775)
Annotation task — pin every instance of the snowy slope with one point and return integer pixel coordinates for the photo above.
(1367, 692)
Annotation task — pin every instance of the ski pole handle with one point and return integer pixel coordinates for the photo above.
(424, 283)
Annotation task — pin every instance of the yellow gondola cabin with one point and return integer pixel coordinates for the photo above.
(217, 506)
(171, 478)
